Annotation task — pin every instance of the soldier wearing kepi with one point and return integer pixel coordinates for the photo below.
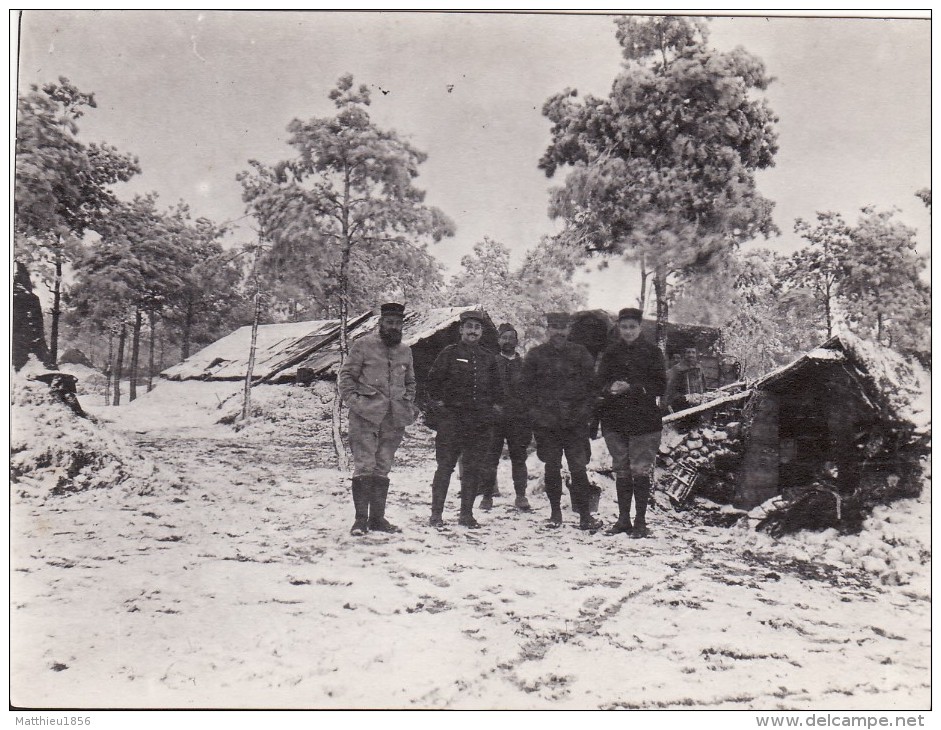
(558, 378)
(513, 427)
(632, 376)
(464, 386)
(377, 381)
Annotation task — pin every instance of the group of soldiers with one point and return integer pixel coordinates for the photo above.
(479, 401)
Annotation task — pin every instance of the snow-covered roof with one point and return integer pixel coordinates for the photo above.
(280, 349)
(276, 347)
(901, 388)
(417, 325)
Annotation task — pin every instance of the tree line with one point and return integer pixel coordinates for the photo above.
(661, 172)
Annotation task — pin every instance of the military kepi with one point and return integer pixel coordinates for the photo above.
(506, 327)
(630, 313)
(472, 314)
(558, 319)
(392, 308)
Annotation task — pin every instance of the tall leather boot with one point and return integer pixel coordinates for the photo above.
(468, 495)
(360, 505)
(377, 506)
(581, 499)
(486, 488)
(641, 496)
(554, 493)
(439, 493)
(520, 477)
(625, 490)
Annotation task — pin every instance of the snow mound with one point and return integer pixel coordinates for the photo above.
(280, 406)
(904, 383)
(55, 451)
(894, 544)
(90, 383)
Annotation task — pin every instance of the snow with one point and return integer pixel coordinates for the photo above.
(905, 384)
(240, 586)
(228, 357)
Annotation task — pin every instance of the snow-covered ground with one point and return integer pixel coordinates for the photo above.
(234, 583)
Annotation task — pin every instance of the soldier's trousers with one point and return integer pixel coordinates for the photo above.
(517, 437)
(456, 439)
(373, 445)
(551, 446)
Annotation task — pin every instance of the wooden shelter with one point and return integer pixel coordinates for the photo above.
(841, 417)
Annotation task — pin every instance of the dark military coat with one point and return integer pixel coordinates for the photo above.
(639, 364)
(559, 385)
(466, 379)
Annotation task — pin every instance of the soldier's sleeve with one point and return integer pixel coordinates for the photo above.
(438, 374)
(350, 371)
(496, 377)
(604, 378)
(410, 386)
(528, 375)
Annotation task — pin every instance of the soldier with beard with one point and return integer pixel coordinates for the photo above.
(512, 428)
(465, 389)
(377, 380)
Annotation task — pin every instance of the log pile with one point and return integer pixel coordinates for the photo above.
(703, 459)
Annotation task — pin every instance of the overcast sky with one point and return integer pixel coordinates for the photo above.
(195, 95)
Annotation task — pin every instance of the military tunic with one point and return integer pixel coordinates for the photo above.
(559, 383)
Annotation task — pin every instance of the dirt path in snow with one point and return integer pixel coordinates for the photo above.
(243, 589)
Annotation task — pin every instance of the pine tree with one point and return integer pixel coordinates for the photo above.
(662, 170)
(62, 186)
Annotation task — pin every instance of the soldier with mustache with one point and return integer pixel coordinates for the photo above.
(377, 381)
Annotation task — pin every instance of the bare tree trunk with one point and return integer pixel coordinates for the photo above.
(135, 353)
(109, 367)
(342, 460)
(660, 291)
(152, 319)
(643, 283)
(247, 397)
(187, 331)
(119, 365)
(56, 309)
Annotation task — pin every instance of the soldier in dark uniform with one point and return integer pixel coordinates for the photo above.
(558, 378)
(632, 376)
(465, 389)
(512, 428)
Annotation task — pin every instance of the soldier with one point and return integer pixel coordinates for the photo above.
(684, 379)
(632, 375)
(464, 386)
(513, 428)
(377, 380)
(558, 378)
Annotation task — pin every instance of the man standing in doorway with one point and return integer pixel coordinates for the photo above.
(558, 379)
(377, 381)
(512, 428)
(632, 376)
(684, 379)
(465, 390)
